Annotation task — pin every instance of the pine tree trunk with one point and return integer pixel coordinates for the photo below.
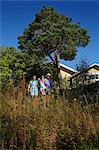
(57, 65)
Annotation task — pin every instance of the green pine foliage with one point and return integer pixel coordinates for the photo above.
(51, 31)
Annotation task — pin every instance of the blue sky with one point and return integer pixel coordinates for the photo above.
(16, 15)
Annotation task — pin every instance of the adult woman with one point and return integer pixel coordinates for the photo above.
(33, 87)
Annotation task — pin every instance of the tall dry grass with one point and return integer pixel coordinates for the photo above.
(58, 125)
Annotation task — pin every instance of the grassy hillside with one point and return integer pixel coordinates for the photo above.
(29, 125)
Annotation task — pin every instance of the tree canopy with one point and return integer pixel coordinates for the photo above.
(11, 63)
(51, 31)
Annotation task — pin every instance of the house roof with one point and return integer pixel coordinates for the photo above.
(88, 68)
(93, 65)
(68, 68)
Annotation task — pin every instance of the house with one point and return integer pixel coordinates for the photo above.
(66, 72)
(88, 76)
(94, 69)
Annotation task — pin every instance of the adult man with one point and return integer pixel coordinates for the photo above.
(48, 83)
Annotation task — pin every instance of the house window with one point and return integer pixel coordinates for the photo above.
(97, 77)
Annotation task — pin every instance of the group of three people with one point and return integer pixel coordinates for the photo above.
(45, 85)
